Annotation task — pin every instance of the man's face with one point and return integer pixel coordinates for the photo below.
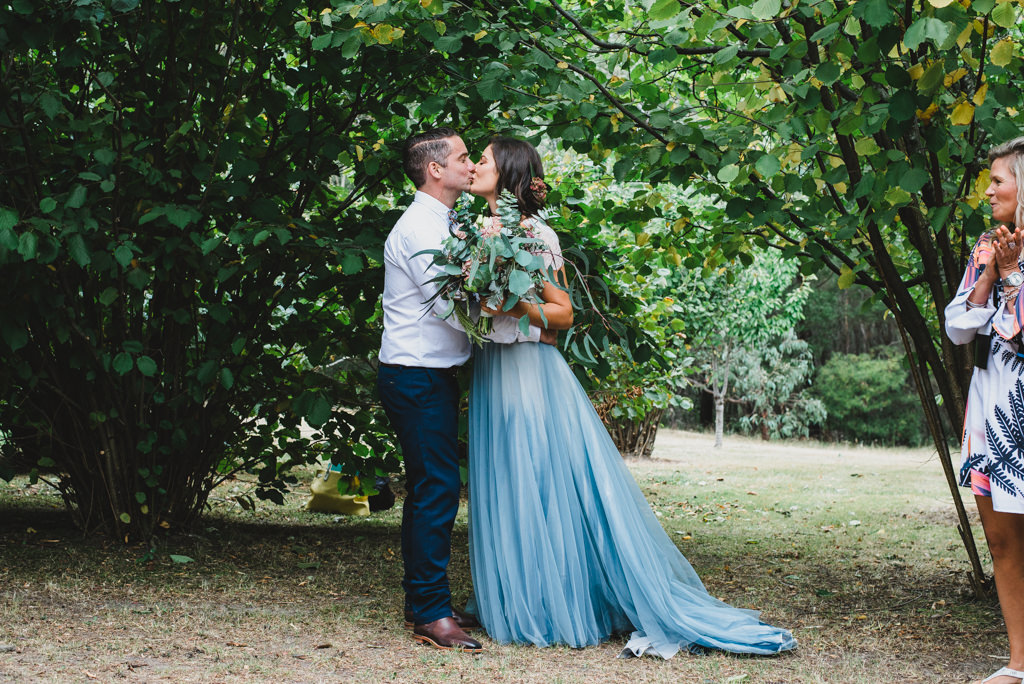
(457, 174)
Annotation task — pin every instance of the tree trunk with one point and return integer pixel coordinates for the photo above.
(635, 438)
(719, 418)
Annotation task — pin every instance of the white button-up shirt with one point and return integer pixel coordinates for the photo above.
(414, 334)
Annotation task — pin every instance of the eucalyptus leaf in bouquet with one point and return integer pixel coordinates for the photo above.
(498, 262)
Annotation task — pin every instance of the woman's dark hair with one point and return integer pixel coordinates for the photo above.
(518, 163)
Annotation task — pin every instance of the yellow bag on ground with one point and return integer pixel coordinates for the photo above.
(325, 497)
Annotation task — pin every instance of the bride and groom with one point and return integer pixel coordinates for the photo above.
(563, 546)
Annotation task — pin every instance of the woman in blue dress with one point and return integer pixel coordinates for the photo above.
(563, 546)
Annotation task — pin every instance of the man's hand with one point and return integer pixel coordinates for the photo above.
(549, 336)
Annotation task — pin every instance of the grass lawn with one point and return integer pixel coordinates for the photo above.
(855, 549)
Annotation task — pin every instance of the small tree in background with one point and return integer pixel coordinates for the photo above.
(736, 313)
(771, 387)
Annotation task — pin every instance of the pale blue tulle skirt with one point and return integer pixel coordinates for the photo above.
(563, 546)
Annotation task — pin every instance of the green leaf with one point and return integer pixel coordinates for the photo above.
(227, 378)
(828, 72)
(764, 10)
(1002, 53)
(519, 282)
(123, 363)
(932, 78)
(866, 147)
(913, 180)
(897, 196)
(303, 29)
(728, 173)
(16, 338)
(1005, 14)
(846, 278)
(50, 105)
(180, 559)
(146, 365)
(123, 255)
(8, 218)
(77, 197)
(125, 518)
(140, 497)
(210, 244)
(180, 217)
(104, 156)
(726, 54)
(524, 325)
(903, 105)
(319, 411)
(352, 263)
(876, 13)
(47, 204)
(123, 5)
(108, 296)
(768, 165)
(77, 249)
(207, 371)
(322, 41)
(664, 9)
(926, 28)
(27, 244)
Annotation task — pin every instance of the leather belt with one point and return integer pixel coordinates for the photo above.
(452, 371)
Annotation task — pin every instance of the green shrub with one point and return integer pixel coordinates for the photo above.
(870, 399)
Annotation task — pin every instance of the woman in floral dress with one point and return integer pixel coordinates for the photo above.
(988, 308)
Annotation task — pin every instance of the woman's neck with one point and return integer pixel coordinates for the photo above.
(492, 202)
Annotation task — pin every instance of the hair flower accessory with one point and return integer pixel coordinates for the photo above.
(539, 188)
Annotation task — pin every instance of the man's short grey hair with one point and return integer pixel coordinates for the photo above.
(1013, 153)
(421, 149)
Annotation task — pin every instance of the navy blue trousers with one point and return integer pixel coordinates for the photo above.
(422, 405)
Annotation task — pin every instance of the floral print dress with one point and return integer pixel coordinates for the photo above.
(993, 439)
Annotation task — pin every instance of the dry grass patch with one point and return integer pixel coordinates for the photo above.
(855, 549)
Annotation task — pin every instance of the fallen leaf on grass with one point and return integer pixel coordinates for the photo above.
(235, 644)
(323, 646)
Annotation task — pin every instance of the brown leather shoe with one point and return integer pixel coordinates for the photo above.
(446, 634)
(464, 620)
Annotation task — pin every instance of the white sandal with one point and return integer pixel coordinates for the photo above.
(1005, 672)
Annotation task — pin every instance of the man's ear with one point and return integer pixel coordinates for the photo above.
(434, 170)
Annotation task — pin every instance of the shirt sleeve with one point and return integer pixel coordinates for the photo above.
(963, 323)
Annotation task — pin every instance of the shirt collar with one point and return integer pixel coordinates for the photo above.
(432, 203)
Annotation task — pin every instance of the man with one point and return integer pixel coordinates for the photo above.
(419, 356)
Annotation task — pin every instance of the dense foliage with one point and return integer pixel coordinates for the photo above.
(191, 223)
(869, 400)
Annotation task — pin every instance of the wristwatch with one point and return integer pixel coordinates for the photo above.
(1014, 279)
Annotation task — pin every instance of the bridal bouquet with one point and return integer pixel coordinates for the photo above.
(497, 263)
